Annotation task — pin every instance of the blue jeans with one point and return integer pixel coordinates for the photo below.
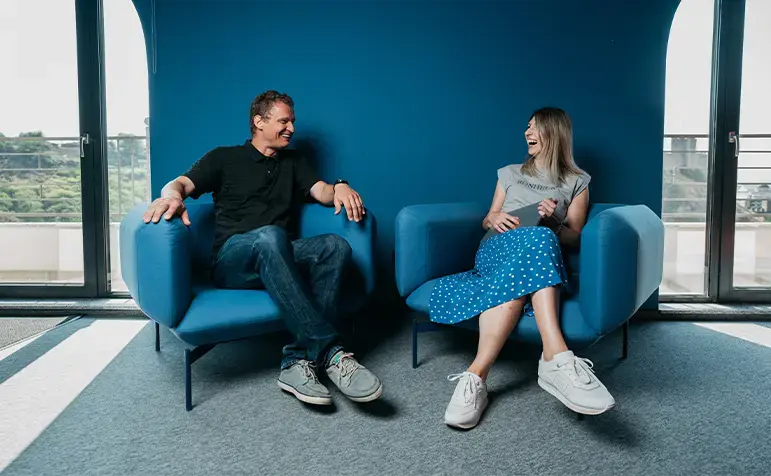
(303, 277)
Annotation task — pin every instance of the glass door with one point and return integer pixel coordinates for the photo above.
(127, 124)
(687, 177)
(743, 137)
(51, 148)
(717, 153)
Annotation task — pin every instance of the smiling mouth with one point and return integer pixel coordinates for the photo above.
(286, 136)
(531, 142)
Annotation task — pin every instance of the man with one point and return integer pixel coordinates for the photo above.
(256, 187)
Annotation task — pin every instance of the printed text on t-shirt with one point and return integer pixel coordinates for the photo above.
(536, 186)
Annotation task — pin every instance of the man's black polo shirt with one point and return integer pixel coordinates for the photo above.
(251, 190)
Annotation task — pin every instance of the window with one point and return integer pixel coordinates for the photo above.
(49, 224)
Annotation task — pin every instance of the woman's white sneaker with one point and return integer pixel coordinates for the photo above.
(572, 381)
(468, 402)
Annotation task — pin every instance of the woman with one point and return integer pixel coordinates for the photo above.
(518, 270)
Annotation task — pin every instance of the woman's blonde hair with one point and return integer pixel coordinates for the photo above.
(556, 132)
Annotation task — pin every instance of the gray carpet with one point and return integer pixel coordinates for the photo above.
(14, 329)
(690, 402)
(17, 361)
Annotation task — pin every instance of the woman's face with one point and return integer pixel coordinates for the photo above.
(533, 138)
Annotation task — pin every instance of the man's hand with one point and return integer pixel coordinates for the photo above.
(546, 207)
(168, 208)
(347, 197)
(502, 222)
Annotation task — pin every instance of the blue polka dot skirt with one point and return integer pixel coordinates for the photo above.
(507, 266)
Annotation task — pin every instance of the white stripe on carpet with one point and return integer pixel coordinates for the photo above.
(35, 396)
(750, 332)
(18, 345)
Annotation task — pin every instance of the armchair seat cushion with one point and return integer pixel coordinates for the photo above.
(221, 315)
(419, 298)
(573, 324)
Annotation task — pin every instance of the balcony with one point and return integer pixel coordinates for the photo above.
(41, 229)
(684, 213)
(41, 225)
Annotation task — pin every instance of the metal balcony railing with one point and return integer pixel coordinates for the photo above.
(685, 178)
(40, 185)
(40, 177)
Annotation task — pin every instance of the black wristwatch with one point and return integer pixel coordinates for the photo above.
(337, 182)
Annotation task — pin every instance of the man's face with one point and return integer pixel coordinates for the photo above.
(278, 127)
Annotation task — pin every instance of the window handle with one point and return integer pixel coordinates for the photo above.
(85, 139)
(733, 138)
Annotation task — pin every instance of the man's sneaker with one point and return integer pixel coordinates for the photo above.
(572, 380)
(353, 379)
(468, 402)
(300, 379)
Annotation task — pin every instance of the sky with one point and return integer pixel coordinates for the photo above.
(38, 89)
(689, 69)
(38, 85)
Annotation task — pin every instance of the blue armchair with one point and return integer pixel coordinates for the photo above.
(166, 269)
(618, 267)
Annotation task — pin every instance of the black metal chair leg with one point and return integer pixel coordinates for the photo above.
(414, 344)
(625, 340)
(157, 337)
(188, 385)
(191, 356)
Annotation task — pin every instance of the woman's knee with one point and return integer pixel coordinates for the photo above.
(515, 303)
(546, 234)
(551, 292)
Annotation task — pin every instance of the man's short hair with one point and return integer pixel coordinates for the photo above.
(262, 104)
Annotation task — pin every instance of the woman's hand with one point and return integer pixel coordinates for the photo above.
(502, 222)
(546, 207)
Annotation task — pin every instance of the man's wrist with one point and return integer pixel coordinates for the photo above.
(338, 182)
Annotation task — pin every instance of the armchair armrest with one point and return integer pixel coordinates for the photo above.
(622, 262)
(317, 219)
(156, 265)
(435, 240)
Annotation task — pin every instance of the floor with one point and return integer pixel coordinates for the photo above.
(13, 330)
(92, 397)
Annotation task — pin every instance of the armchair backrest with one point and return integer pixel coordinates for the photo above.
(317, 219)
(596, 208)
(202, 234)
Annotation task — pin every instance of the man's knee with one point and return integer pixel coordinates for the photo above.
(338, 247)
(269, 238)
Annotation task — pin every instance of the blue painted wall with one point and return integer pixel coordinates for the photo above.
(415, 101)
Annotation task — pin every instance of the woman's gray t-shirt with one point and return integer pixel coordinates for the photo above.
(522, 190)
